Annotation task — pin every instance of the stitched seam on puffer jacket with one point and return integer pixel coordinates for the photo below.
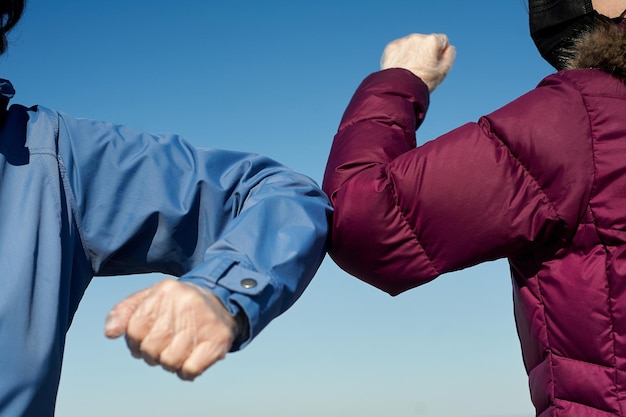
(614, 229)
(552, 386)
(610, 306)
(396, 202)
(487, 126)
(604, 367)
(586, 406)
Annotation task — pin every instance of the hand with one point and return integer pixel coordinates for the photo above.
(430, 57)
(178, 325)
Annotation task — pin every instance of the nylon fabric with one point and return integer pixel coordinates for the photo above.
(529, 182)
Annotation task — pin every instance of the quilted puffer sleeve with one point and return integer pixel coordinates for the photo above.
(492, 189)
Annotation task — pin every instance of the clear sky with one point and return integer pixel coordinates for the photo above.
(273, 77)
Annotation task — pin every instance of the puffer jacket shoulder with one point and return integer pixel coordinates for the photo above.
(515, 180)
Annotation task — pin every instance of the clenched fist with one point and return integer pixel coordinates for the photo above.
(430, 57)
(180, 326)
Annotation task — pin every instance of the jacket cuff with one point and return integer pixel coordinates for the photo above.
(234, 285)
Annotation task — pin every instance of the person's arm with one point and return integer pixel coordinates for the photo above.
(507, 184)
(235, 226)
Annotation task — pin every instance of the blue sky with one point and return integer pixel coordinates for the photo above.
(273, 77)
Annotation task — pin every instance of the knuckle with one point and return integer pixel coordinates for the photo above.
(168, 368)
(149, 350)
(134, 350)
(191, 371)
(131, 342)
(150, 360)
(170, 361)
(184, 376)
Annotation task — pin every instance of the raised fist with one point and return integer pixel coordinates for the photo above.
(430, 57)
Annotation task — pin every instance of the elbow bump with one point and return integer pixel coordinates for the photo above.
(372, 241)
(358, 242)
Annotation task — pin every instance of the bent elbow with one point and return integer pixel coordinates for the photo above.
(371, 240)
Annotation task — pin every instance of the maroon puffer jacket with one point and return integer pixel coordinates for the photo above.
(542, 182)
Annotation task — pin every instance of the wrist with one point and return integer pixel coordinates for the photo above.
(242, 328)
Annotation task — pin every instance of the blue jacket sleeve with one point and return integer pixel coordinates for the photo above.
(241, 225)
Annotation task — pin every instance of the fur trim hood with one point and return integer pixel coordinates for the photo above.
(603, 47)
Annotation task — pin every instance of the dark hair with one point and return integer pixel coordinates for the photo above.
(10, 12)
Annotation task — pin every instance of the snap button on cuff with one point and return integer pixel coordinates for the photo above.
(248, 283)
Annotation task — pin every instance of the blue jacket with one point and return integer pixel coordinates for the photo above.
(81, 198)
